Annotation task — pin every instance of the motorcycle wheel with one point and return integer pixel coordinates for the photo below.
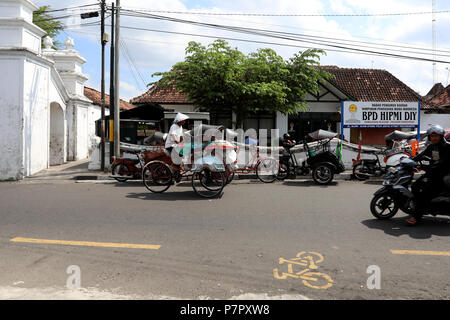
(119, 169)
(323, 174)
(382, 203)
(359, 172)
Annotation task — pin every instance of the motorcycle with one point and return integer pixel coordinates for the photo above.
(320, 161)
(396, 193)
(366, 168)
(123, 169)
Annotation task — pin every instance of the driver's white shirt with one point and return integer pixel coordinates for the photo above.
(174, 135)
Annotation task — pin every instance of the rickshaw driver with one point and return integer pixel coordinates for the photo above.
(175, 135)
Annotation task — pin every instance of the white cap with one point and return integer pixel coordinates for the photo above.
(180, 117)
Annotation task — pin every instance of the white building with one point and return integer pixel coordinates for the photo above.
(45, 118)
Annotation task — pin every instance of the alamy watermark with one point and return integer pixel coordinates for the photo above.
(374, 280)
(74, 279)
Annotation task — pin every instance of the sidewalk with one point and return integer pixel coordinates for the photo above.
(72, 170)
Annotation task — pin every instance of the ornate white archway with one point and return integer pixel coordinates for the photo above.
(57, 141)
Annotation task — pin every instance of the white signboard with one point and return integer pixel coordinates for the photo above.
(380, 114)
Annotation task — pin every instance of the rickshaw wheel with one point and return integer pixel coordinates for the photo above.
(267, 170)
(157, 176)
(208, 183)
(230, 173)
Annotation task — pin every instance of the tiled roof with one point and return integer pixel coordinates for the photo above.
(96, 98)
(437, 89)
(161, 94)
(442, 99)
(360, 84)
(371, 84)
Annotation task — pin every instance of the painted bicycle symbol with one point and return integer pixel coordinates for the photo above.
(310, 278)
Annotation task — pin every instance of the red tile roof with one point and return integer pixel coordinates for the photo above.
(371, 84)
(435, 90)
(360, 84)
(161, 94)
(96, 98)
(441, 100)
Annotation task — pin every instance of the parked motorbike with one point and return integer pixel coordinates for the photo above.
(363, 169)
(323, 163)
(396, 193)
(123, 169)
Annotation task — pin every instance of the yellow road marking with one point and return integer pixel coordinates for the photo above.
(88, 243)
(422, 252)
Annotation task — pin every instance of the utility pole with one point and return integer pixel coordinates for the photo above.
(433, 30)
(102, 127)
(111, 89)
(117, 85)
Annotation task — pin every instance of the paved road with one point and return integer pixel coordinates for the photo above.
(222, 248)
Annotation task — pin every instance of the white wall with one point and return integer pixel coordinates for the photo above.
(36, 116)
(11, 120)
(179, 107)
(82, 137)
(57, 148)
(94, 114)
(434, 118)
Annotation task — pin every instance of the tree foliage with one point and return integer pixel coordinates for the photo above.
(218, 76)
(45, 21)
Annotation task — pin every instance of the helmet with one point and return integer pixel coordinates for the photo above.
(286, 136)
(436, 129)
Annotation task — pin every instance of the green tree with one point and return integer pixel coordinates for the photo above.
(46, 22)
(219, 77)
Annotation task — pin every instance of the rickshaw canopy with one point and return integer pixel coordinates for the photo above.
(322, 134)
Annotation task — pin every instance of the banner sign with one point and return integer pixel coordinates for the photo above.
(357, 114)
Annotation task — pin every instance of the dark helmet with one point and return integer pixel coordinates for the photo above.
(286, 136)
(436, 129)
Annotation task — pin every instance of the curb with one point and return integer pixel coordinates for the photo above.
(346, 177)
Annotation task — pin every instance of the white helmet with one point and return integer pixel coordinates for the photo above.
(436, 129)
(180, 117)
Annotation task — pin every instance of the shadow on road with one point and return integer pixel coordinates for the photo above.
(429, 226)
(170, 196)
(308, 183)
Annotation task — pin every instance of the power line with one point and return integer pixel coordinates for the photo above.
(293, 15)
(274, 43)
(371, 45)
(260, 31)
(279, 35)
(131, 63)
(386, 42)
(71, 8)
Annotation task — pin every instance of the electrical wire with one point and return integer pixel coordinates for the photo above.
(259, 42)
(71, 8)
(292, 15)
(281, 35)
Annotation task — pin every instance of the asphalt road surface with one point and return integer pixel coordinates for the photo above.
(288, 239)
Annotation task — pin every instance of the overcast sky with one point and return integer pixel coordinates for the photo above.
(151, 51)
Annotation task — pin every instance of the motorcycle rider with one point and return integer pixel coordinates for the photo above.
(432, 182)
(287, 141)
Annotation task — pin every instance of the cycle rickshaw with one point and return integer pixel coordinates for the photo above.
(197, 160)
